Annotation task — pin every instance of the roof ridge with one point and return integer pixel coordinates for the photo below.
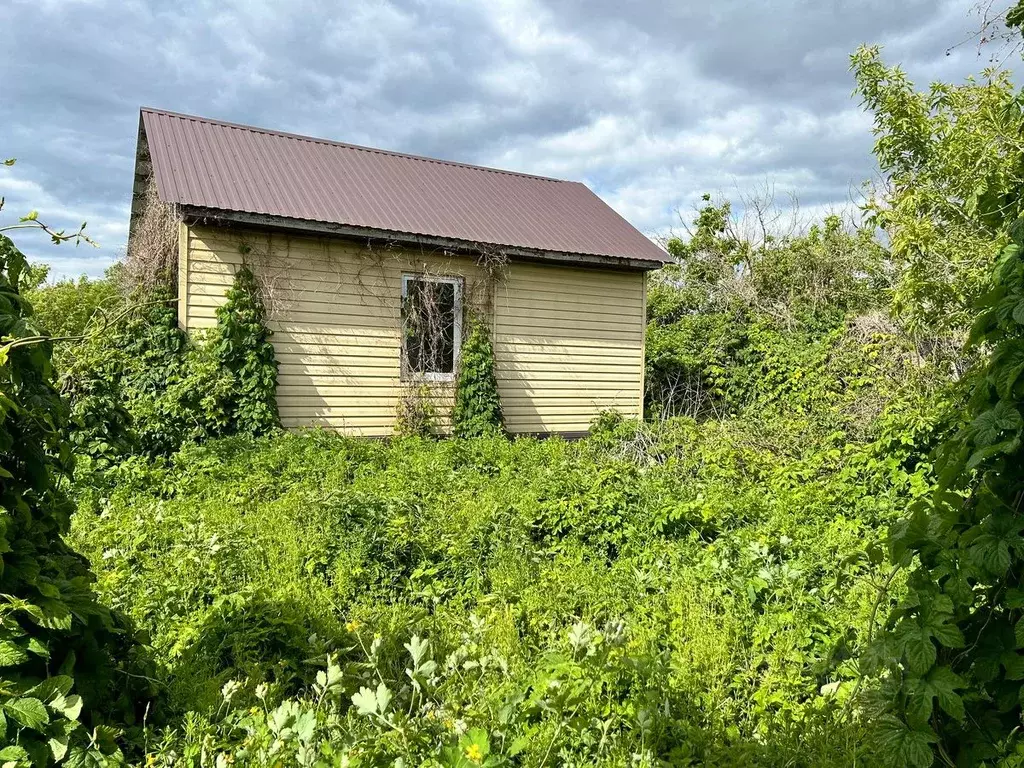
(346, 145)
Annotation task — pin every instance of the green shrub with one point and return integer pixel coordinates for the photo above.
(69, 307)
(145, 387)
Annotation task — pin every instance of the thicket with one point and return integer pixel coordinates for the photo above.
(640, 596)
(137, 384)
(64, 657)
(951, 660)
(810, 554)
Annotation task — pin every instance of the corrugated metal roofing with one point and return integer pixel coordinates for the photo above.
(212, 164)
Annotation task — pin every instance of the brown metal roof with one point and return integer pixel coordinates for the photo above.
(216, 165)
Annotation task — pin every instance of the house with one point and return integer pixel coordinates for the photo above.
(372, 263)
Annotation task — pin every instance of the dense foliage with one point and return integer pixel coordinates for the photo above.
(647, 593)
(145, 387)
(952, 653)
(56, 641)
(477, 410)
(810, 554)
(68, 308)
(243, 348)
(137, 384)
(733, 310)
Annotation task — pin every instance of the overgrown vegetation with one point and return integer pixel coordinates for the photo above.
(952, 653)
(809, 554)
(561, 602)
(63, 655)
(243, 348)
(477, 411)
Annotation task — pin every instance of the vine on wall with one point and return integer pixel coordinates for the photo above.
(280, 282)
(477, 411)
(242, 346)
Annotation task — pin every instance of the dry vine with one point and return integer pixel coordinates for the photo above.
(151, 260)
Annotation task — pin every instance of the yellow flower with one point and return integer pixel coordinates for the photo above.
(150, 759)
(474, 753)
(353, 625)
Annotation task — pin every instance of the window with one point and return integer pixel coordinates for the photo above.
(432, 326)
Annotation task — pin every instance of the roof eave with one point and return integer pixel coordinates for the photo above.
(196, 214)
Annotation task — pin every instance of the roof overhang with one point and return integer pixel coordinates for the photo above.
(199, 215)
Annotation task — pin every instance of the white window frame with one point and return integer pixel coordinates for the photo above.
(407, 373)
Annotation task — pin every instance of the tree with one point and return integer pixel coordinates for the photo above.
(951, 158)
(951, 659)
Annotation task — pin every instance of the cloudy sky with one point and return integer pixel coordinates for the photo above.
(650, 103)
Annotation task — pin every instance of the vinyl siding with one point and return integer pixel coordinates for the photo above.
(568, 344)
(568, 341)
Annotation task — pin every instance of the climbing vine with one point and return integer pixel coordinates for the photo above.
(954, 646)
(243, 348)
(950, 661)
(477, 410)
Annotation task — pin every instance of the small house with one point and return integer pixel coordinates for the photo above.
(372, 264)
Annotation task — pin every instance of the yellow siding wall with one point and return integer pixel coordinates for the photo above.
(568, 341)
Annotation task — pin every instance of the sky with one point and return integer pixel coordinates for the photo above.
(649, 103)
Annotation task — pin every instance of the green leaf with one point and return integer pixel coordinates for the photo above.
(86, 757)
(1013, 663)
(948, 635)
(365, 701)
(10, 654)
(383, 698)
(36, 646)
(943, 683)
(1008, 366)
(58, 747)
(28, 712)
(1018, 313)
(919, 649)
(916, 749)
(989, 425)
(51, 687)
(69, 706)
(13, 753)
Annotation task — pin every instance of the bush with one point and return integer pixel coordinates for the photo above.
(69, 307)
(145, 387)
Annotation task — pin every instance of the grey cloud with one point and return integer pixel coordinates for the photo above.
(651, 103)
